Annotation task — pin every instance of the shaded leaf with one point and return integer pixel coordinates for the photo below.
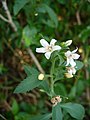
(42, 117)
(75, 110)
(19, 4)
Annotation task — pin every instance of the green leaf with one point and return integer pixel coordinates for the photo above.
(62, 1)
(30, 70)
(75, 110)
(72, 93)
(29, 35)
(19, 4)
(79, 65)
(23, 116)
(42, 117)
(15, 107)
(85, 34)
(28, 84)
(57, 113)
(45, 87)
(60, 89)
(43, 8)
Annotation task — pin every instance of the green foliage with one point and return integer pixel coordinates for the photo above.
(29, 83)
(53, 21)
(29, 35)
(85, 34)
(75, 110)
(79, 65)
(19, 4)
(57, 113)
(36, 19)
(15, 107)
(42, 117)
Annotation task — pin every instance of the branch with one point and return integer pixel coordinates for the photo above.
(3, 18)
(9, 15)
(35, 60)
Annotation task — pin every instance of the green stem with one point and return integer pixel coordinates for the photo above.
(52, 81)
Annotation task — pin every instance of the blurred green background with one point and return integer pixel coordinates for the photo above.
(35, 19)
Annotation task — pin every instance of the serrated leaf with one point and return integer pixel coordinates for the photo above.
(42, 117)
(30, 70)
(57, 113)
(19, 4)
(75, 110)
(28, 84)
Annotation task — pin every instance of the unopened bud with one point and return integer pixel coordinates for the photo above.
(80, 50)
(68, 75)
(68, 43)
(41, 76)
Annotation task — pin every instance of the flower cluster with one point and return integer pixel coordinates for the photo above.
(55, 100)
(71, 56)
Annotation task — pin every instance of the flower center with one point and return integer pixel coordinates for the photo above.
(49, 48)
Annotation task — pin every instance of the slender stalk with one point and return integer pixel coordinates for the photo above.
(52, 80)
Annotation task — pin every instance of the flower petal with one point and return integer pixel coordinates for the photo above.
(56, 47)
(70, 71)
(75, 50)
(68, 53)
(67, 62)
(72, 62)
(75, 56)
(44, 43)
(40, 50)
(47, 55)
(74, 70)
(53, 41)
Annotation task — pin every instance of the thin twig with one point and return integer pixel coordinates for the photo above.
(3, 18)
(3, 117)
(9, 15)
(78, 18)
(10, 21)
(35, 60)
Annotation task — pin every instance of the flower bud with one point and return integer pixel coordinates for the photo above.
(41, 76)
(68, 75)
(68, 43)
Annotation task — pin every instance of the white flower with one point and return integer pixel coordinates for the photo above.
(68, 43)
(48, 48)
(71, 56)
(71, 71)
